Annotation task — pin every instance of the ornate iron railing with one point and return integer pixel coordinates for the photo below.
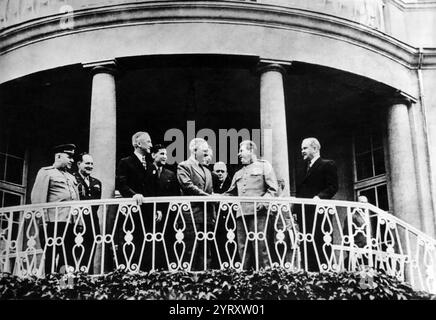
(199, 233)
(367, 12)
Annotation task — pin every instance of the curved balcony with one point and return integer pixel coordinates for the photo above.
(199, 233)
(366, 12)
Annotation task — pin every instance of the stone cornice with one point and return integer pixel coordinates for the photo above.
(428, 60)
(106, 66)
(420, 5)
(237, 13)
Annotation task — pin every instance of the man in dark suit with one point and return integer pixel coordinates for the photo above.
(318, 181)
(196, 180)
(221, 178)
(163, 184)
(221, 183)
(131, 181)
(89, 189)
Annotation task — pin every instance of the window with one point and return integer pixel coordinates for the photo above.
(369, 166)
(12, 174)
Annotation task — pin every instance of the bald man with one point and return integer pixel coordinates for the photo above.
(319, 180)
(221, 179)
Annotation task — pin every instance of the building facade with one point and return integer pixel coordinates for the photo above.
(359, 75)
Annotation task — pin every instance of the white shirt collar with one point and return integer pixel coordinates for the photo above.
(83, 176)
(195, 160)
(140, 156)
(314, 159)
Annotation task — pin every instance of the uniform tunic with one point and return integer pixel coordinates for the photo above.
(256, 179)
(54, 185)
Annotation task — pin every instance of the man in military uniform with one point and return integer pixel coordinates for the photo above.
(89, 189)
(255, 179)
(56, 184)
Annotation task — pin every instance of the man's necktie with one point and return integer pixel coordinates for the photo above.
(159, 171)
(144, 163)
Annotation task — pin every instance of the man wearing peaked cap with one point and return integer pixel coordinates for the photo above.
(65, 148)
(56, 184)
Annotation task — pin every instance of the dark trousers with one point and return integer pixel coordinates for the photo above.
(55, 259)
(315, 248)
(247, 247)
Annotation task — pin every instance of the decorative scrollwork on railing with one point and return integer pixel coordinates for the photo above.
(199, 233)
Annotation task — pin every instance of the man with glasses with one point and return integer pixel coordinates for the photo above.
(56, 184)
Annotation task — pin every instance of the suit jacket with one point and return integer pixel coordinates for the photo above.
(321, 180)
(132, 177)
(194, 181)
(165, 185)
(217, 187)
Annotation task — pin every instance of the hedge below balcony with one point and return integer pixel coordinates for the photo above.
(270, 284)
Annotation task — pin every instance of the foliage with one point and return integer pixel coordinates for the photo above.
(269, 284)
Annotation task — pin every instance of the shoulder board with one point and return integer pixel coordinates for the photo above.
(48, 168)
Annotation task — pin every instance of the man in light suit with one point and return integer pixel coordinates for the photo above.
(255, 179)
(196, 180)
(318, 181)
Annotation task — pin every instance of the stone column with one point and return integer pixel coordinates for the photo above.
(401, 163)
(102, 146)
(102, 133)
(273, 120)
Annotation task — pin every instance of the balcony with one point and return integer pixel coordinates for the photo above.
(366, 12)
(201, 233)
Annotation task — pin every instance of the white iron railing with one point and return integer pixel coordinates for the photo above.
(200, 233)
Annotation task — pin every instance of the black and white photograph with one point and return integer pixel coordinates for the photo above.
(217, 155)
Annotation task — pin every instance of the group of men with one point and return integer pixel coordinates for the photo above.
(144, 174)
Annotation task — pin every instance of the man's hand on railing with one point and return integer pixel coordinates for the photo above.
(262, 206)
(158, 215)
(139, 199)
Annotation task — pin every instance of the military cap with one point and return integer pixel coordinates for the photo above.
(65, 148)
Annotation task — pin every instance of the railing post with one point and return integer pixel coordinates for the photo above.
(153, 239)
(368, 237)
(100, 264)
(8, 244)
